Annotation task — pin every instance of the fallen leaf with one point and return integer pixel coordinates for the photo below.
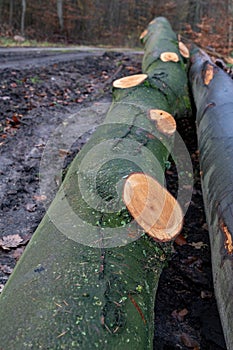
(26, 239)
(10, 241)
(1, 287)
(180, 240)
(183, 312)
(18, 252)
(63, 152)
(205, 226)
(198, 245)
(31, 207)
(206, 294)
(40, 198)
(179, 315)
(6, 269)
(188, 341)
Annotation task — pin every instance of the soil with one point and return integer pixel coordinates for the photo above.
(38, 91)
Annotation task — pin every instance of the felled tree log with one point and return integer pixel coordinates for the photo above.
(88, 277)
(213, 90)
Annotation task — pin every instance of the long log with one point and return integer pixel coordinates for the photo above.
(89, 275)
(213, 90)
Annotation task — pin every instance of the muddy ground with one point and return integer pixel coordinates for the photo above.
(38, 91)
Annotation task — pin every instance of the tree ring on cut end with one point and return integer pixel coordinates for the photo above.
(152, 207)
(130, 81)
(169, 57)
(165, 122)
(183, 50)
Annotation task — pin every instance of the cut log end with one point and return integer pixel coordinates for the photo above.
(165, 122)
(143, 34)
(153, 21)
(153, 207)
(130, 81)
(183, 50)
(169, 57)
(208, 74)
(228, 238)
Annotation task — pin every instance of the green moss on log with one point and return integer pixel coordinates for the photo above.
(88, 278)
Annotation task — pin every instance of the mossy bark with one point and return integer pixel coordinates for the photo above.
(89, 275)
(213, 90)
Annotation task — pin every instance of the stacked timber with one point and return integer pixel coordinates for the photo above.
(88, 278)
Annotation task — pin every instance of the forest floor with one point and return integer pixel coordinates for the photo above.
(38, 92)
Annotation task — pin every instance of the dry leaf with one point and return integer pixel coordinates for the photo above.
(40, 198)
(198, 245)
(188, 341)
(206, 294)
(18, 252)
(31, 207)
(180, 240)
(64, 152)
(11, 241)
(6, 269)
(179, 315)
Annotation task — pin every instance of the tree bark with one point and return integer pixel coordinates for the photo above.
(23, 16)
(89, 275)
(11, 12)
(60, 14)
(213, 90)
(230, 27)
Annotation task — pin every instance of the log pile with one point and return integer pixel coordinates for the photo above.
(88, 278)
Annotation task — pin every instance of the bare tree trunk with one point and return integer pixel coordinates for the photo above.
(60, 14)
(11, 12)
(230, 14)
(23, 16)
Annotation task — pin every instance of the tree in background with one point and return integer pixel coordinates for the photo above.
(60, 13)
(23, 16)
(117, 22)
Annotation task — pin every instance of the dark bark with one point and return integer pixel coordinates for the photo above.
(11, 12)
(23, 16)
(213, 90)
(89, 275)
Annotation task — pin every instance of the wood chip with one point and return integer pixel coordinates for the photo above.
(165, 122)
(169, 57)
(153, 207)
(130, 81)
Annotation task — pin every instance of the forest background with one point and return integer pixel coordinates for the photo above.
(209, 23)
